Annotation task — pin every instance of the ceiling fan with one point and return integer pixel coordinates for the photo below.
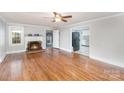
(58, 17)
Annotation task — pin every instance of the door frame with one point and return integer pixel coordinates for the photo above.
(79, 28)
(49, 31)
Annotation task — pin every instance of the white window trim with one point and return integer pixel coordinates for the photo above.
(10, 35)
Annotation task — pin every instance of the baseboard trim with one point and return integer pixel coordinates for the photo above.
(2, 58)
(107, 61)
(65, 49)
(11, 52)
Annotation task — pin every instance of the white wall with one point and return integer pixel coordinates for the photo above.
(28, 29)
(2, 39)
(56, 38)
(65, 39)
(106, 39)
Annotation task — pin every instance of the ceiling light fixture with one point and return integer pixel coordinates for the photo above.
(57, 18)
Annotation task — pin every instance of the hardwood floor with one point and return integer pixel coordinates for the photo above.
(54, 64)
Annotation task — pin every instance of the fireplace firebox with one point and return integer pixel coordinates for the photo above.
(34, 46)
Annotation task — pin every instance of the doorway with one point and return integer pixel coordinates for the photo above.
(49, 39)
(80, 40)
(76, 41)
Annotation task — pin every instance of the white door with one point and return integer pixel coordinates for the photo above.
(56, 38)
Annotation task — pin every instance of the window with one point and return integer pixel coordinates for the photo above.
(16, 35)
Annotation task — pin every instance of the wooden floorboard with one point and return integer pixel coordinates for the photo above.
(55, 64)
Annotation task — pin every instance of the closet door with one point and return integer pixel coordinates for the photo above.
(56, 38)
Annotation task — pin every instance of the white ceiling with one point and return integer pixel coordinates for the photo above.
(45, 18)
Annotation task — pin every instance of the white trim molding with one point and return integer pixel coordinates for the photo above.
(65, 49)
(104, 60)
(92, 20)
(2, 58)
(2, 19)
(22, 24)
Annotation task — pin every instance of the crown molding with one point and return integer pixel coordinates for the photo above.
(2, 19)
(93, 20)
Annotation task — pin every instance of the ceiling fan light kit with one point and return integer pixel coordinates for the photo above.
(58, 17)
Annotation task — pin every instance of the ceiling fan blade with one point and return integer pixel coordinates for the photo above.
(70, 16)
(55, 13)
(64, 20)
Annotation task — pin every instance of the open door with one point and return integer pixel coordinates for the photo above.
(76, 41)
(49, 39)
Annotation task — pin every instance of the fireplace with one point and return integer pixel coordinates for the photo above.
(34, 46)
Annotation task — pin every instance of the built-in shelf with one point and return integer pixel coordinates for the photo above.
(33, 35)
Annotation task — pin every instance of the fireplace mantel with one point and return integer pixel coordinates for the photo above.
(32, 38)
